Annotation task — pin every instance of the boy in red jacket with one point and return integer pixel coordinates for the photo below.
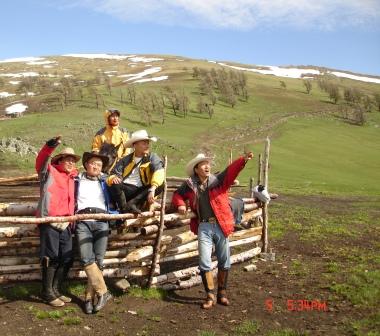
(207, 195)
(56, 199)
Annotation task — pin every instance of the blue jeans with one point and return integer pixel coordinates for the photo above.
(92, 238)
(209, 234)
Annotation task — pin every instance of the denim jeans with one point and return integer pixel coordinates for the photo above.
(92, 238)
(209, 234)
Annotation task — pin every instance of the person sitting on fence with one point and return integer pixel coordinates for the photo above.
(92, 235)
(208, 198)
(56, 199)
(138, 177)
(110, 140)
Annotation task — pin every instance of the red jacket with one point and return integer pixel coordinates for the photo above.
(218, 192)
(56, 187)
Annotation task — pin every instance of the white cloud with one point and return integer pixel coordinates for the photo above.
(241, 14)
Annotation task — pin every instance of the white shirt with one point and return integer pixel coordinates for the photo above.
(134, 177)
(90, 194)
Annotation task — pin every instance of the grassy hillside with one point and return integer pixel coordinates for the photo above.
(313, 149)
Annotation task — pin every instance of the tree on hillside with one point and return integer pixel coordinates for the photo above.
(377, 101)
(333, 92)
(108, 85)
(184, 103)
(195, 72)
(144, 105)
(308, 85)
(131, 89)
(359, 114)
(204, 107)
(352, 95)
(98, 97)
(366, 101)
(227, 94)
(283, 84)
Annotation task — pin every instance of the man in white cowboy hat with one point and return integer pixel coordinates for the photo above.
(138, 177)
(207, 195)
(110, 140)
(56, 199)
(92, 235)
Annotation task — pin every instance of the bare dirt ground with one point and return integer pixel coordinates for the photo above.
(289, 293)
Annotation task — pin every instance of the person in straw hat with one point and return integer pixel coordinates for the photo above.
(138, 177)
(207, 195)
(56, 199)
(92, 235)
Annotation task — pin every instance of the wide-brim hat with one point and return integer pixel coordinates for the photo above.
(138, 136)
(68, 151)
(193, 162)
(89, 155)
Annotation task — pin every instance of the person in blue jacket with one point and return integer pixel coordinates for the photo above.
(92, 235)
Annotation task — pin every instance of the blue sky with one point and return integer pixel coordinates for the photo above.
(340, 34)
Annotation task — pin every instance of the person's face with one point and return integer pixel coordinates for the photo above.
(141, 147)
(67, 164)
(113, 119)
(203, 169)
(94, 167)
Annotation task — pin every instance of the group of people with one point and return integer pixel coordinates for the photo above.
(130, 183)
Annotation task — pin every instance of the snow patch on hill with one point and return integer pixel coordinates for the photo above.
(16, 108)
(298, 72)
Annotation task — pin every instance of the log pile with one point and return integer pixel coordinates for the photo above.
(130, 247)
(158, 239)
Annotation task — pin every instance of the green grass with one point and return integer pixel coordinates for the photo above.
(286, 332)
(361, 287)
(312, 151)
(206, 333)
(64, 313)
(20, 291)
(150, 293)
(249, 327)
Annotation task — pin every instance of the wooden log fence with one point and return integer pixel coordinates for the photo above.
(140, 247)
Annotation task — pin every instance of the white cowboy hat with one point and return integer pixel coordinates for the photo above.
(68, 151)
(138, 136)
(193, 162)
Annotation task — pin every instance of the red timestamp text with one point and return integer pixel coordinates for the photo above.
(298, 305)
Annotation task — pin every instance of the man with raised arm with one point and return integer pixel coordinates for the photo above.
(207, 195)
(56, 199)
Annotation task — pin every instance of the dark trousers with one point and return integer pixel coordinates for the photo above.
(56, 245)
(122, 193)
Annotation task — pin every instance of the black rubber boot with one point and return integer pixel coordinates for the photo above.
(59, 276)
(47, 294)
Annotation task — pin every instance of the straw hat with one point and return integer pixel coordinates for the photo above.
(138, 136)
(68, 151)
(89, 155)
(193, 162)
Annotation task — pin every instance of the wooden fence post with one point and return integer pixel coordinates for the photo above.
(265, 207)
(157, 245)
